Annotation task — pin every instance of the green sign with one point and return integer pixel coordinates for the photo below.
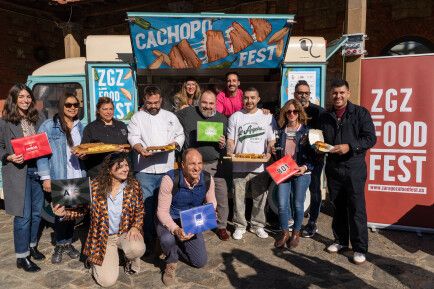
(209, 131)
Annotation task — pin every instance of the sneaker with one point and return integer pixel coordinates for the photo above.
(71, 251)
(238, 234)
(309, 230)
(56, 258)
(290, 222)
(359, 258)
(260, 232)
(335, 247)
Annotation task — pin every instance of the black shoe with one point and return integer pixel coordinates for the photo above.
(36, 254)
(127, 268)
(27, 265)
(56, 258)
(71, 251)
(309, 230)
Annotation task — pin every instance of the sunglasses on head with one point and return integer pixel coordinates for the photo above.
(69, 105)
(295, 111)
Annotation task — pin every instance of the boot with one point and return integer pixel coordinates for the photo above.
(35, 254)
(283, 238)
(27, 265)
(169, 274)
(295, 239)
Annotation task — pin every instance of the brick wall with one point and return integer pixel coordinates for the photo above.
(24, 39)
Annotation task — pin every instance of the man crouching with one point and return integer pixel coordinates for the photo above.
(181, 190)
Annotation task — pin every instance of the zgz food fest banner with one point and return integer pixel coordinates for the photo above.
(399, 93)
(203, 42)
(116, 82)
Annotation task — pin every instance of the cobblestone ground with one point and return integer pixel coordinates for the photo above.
(396, 260)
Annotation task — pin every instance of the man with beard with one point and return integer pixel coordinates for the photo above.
(313, 111)
(230, 100)
(211, 152)
(153, 127)
(250, 131)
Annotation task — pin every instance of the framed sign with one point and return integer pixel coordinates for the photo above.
(116, 81)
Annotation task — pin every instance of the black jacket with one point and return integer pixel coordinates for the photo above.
(314, 112)
(355, 129)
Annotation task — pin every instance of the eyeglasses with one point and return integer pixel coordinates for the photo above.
(301, 93)
(295, 111)
(69, 105)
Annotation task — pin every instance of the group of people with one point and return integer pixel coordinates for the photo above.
(136, 208)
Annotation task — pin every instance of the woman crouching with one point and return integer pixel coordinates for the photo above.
(116, 221)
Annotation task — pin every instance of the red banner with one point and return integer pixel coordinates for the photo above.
(399, 93)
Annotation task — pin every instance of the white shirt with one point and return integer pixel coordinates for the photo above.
(73, 169)
(155, 130)
(251, 133)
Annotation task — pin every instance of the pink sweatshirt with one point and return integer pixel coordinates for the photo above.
(165, 201)
(228, 105)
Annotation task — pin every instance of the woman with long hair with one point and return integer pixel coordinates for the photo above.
(293, 141)
(189, 94)
(21, 187)
(116, 220)
(64, 131)
(105, 129)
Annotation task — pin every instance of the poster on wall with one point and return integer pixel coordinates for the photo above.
(117, 82)
(292, 75)
(399, 93)
(199, 41)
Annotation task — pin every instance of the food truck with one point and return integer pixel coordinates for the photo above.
(164, 49)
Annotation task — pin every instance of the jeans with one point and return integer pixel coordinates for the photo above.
(192, 251)
(150, 184)
(63, 231)
(292, 193)
(215, 169)
(315, 192)
(26, 228)
(257, 184)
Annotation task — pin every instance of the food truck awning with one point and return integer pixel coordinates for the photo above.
(208, 40)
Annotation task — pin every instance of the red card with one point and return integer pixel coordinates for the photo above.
(31, 147)
(282, 169)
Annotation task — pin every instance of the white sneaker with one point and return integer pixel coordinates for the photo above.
(335, 247)
(359, 258)
(290, 222)
(260, 232)
(238, 234)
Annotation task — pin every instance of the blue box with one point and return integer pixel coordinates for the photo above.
(198, 219)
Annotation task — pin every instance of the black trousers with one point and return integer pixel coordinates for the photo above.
(347, 193)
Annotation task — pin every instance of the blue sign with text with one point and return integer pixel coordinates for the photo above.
(118, 84)
(204, 42)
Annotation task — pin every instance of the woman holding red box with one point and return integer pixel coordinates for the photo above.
(21, 187)
(293, 141)
(64, 131)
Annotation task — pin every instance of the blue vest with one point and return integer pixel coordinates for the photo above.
(186, 198)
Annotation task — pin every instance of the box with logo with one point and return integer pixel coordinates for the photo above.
(198, 219)
(282, 169)
(32, 147)
(209, 131)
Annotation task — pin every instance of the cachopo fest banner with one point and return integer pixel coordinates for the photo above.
(116, 82)
(399, 93)
(199, 42)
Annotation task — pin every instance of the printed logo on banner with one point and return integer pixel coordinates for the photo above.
(398, 93)
(118, 84)
(162, 42)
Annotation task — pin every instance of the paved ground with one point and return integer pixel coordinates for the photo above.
(396, 260)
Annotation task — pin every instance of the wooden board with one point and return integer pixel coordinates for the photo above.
(248, 160)
(89, 148)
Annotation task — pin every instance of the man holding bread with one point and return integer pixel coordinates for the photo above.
(154, 134)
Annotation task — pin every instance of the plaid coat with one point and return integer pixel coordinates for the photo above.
(132, 216)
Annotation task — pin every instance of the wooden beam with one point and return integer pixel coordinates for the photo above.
(28, 11)
(355, 23)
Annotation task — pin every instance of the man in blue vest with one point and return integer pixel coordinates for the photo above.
(180, 190)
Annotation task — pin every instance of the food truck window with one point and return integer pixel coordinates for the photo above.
(267, 81)
(47, 96)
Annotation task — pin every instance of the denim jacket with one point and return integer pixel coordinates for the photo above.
(54, 165)
(304, 154)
